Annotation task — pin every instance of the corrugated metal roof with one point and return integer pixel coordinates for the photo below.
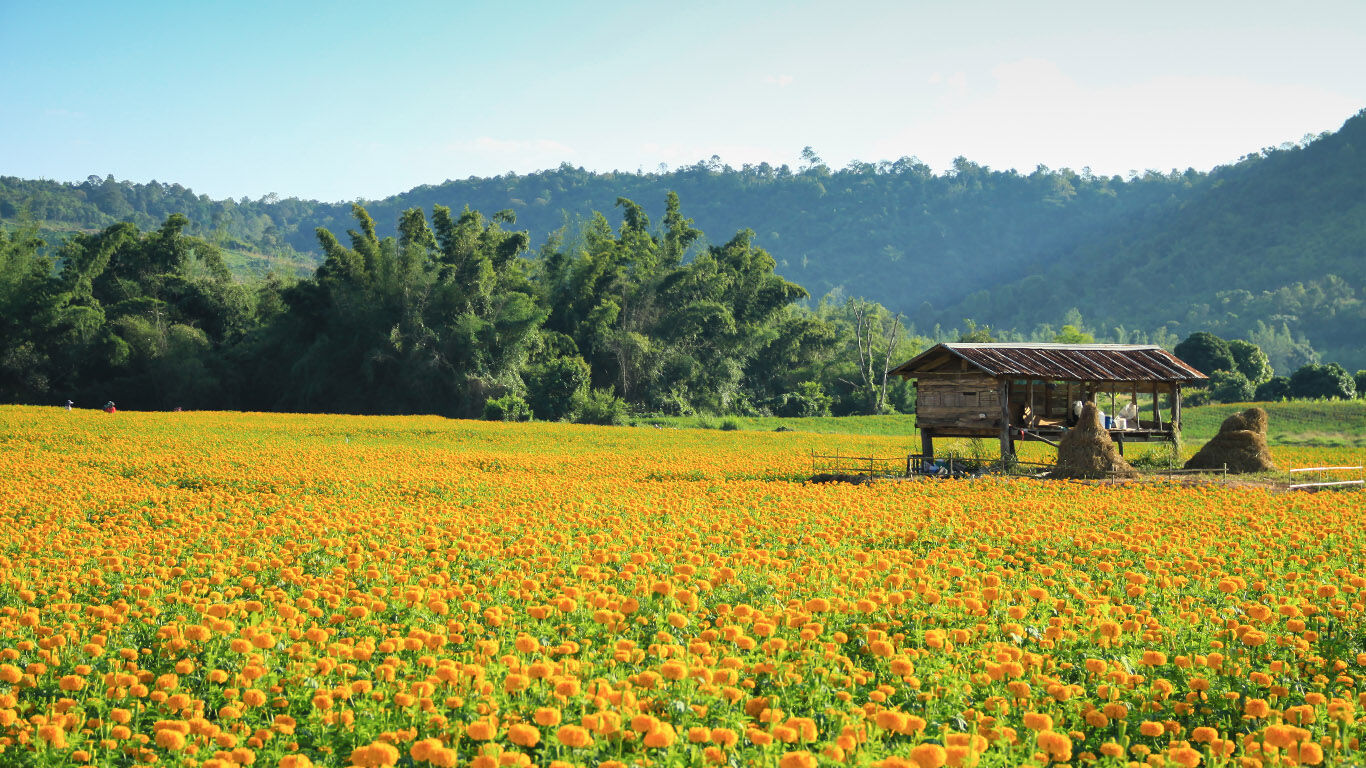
(1064, 362)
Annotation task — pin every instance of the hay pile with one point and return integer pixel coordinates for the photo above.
(1087, 451)
(1241, 444)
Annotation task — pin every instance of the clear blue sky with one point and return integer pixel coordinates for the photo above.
(340, 100)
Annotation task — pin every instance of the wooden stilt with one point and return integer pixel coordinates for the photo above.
(1176, 409)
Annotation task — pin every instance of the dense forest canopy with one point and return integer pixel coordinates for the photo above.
(455, 315)
(1271, 248)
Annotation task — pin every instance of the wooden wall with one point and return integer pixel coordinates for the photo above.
(959, 402)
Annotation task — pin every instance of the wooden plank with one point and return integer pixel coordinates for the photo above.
(927, 443)
(986, 426)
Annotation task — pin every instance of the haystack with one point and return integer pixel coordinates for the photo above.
(1087, 451)
(1241, 444)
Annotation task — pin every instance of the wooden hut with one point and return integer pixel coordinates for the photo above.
(1030, 391)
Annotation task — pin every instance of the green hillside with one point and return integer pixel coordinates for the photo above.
(1271, 248)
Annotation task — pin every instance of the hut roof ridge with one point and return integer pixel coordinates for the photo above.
(1050, 360)
(1041, 345)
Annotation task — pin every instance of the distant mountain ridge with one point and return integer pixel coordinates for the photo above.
(1274, 244)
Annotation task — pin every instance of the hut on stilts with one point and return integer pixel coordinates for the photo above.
(1022, 392)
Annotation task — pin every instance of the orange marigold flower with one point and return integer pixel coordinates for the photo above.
(1057, 745)
(929, 756)
(574, 736)
(525, 734)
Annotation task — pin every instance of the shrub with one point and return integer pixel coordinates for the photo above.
(600, 406)
(552, 386)
(808, 400)
(1327, 380)
(730, 425)
(1273, 389)
(1360, 380)
(507, 408)
(1230, 387)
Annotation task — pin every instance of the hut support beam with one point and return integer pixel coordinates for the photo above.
(1176, 410)
(927, 443)
(1157, 410)
(1006, 447)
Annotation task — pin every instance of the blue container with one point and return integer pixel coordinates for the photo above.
(1109, 422)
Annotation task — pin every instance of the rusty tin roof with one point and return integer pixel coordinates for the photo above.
(1063, 362)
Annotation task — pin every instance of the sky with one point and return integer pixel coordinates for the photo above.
(340, 100)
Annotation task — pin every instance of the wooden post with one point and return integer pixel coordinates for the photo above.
(1157, 412)
(1138, 423)
(1005, 419)
(926, 443)
(1176, 409)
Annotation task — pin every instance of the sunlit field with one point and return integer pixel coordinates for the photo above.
(210, 590)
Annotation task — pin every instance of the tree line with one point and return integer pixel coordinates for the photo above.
(455, 314)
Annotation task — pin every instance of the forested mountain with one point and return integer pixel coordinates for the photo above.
(1271, 248)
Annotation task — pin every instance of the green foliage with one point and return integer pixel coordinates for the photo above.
(1326, 380)
(600, 406)
(507, 408)
(809, 400)
(1206, 353)
(974, 334)
(1070, 334)
(1230, 387)
(1359, 379)
(1145, 258)
(1273, 390)
(554, 385)
(1250, 361)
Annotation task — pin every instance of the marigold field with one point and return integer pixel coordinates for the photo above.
(243, 589)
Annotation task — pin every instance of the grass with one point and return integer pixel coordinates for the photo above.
(1326, 423)
(1335, 423)
(891, 426)
(250, 265)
